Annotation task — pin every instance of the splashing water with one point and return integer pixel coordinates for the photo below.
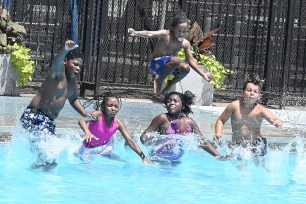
(278, 177)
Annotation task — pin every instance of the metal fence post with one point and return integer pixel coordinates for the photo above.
(99, 35)
(269, 48)
(183, 5)
(287, 48)
(87, 48)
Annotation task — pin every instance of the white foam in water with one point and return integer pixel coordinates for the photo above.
(299, 173)
(53, 146)
(276, 163)
(280, 175)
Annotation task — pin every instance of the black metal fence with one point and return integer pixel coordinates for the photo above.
(48, 23)
(263, 36)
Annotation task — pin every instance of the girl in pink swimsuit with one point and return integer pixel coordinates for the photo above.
(99, 132)
(174, 122)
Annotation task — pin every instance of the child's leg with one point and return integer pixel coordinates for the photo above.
(154, 85)
(182, 71)
(169, 68)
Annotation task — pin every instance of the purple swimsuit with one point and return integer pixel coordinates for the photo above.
(175, 129)
(170, 148)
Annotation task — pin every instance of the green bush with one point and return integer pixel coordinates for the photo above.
(11, 42)
(21, 59)
(217, 70)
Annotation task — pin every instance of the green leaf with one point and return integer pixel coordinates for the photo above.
(21, 58)
(3, 41)
(16, 27)
(211, 64)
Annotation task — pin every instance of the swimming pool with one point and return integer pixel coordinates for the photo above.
(280, 177)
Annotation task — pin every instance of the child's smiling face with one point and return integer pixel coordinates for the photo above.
(180, 31)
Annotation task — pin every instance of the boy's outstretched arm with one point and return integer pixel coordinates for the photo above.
(194, 65)
(271, 118)
(147, 33)
(76, 103)
(57, 66)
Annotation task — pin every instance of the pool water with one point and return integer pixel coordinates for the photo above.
(279, 177)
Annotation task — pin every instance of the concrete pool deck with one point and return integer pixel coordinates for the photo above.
(294, 118)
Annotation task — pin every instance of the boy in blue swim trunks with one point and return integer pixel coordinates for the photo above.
(164, 61)
(60, 85)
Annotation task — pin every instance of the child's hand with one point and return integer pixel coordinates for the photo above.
(150, 141)
(277, 122)
(208, 76)
(224, 158)
(70, 45)
(91, 116)
(147, 160)
(90, 136)
(131, 32)
(217, 137)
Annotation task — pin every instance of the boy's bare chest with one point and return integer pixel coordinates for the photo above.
(247, 117)
(169, 47)
(60, 89)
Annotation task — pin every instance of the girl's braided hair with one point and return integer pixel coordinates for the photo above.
(187, 99)
(99, 102)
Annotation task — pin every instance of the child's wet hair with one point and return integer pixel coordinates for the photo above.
(75, 53)
(179, 18)
(99, 103)
(254, 79)
(187, 99)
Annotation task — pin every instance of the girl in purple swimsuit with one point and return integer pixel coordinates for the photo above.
(175, 121)
(98, 132)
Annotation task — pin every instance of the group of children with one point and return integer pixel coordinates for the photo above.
(100, 125)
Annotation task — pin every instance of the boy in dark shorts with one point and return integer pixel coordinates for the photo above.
(60, 85)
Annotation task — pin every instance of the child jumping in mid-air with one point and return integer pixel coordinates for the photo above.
(164, 61)
(100, 130)
(177, 122)
(246, 117)
(59, 86)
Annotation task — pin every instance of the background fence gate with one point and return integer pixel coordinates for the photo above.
(267, 37)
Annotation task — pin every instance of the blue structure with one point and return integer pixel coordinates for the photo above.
(6, 4)
(74, 20)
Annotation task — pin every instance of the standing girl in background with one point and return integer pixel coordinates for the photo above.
(100, 129)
